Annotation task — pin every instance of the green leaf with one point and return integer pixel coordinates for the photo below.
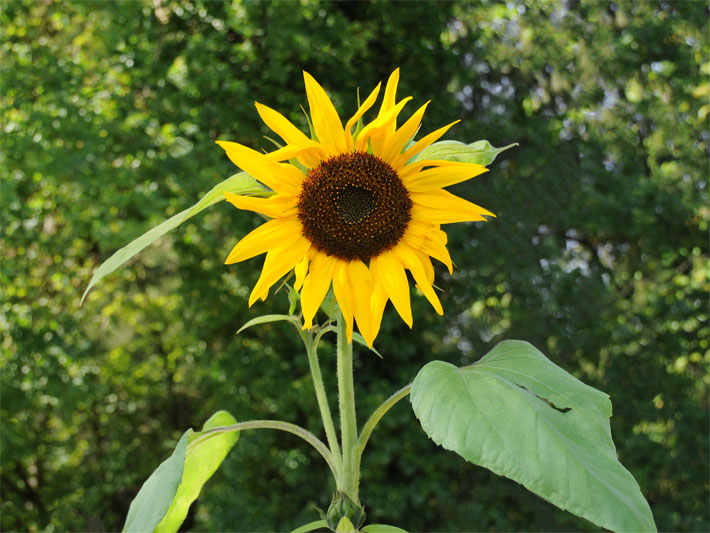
(205, 452)
(241, 183)
(311, 526)
(264, 319)
(521, 416)
(382, 528)
(481, 152)
(164, 499)
(157, 493)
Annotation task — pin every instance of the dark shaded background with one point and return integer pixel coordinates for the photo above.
(598, 256)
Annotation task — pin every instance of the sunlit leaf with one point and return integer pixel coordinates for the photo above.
(521, 416)
(165, 498)
(241, 183)
(480, 152)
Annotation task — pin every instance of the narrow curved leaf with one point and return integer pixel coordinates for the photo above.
(481, 152)
(361, 340)
(264, 319)
(241, 183)
(521, 416)
(164, 499)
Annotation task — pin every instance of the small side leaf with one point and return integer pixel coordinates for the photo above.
(382, 528)
(205, 452)
(481, 152)
(311, 526)
(241, 183)
(521, 416)
(264, 319)
(164, 499)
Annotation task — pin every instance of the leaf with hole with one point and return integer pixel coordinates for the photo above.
(521, 416)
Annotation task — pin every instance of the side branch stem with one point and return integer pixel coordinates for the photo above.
(306, 435)
(322, 398)
(372, 422)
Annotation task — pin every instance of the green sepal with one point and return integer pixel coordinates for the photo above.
(310, 125)
(293, 297)
(480, 152)
(342, 507)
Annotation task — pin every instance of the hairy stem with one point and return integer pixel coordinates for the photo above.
(346, 403)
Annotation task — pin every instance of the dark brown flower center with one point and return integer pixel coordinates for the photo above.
(354, 206)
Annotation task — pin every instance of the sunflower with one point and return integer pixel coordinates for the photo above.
(352, 208)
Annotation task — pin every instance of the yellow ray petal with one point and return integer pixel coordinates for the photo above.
(442, 207)
(269, 173)
(439, 177)
(361, 281)
(390, 93)
(343, 294)
(311, 150)
(403, 134)
(377, 304)
(281, 125)
(278, 262)
(412, 261)
(275, 206)
(326, 122)
(421, 144)
(316, 286)
(435, 246)
(276, 232)
(301, 270)
(367, 104)
(389, 272)
(378, 127)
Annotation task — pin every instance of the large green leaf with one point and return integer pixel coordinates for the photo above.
(481, 152)
(241, 183)
(165, 498)
(521, 416)
(153, 500)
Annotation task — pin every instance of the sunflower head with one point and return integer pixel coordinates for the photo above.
(352, 210)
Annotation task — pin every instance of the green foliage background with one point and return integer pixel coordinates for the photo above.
(598, 256)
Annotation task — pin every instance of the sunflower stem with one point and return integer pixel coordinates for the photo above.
(312, 351)
(346, 403)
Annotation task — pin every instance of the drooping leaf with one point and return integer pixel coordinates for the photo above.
(205, 452)
(521, 416)
(264, 319)
(155, 496)
(164, 499)
(241, 183)
(311, 526)
(481, 152)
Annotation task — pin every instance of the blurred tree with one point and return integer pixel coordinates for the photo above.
(598, 255)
